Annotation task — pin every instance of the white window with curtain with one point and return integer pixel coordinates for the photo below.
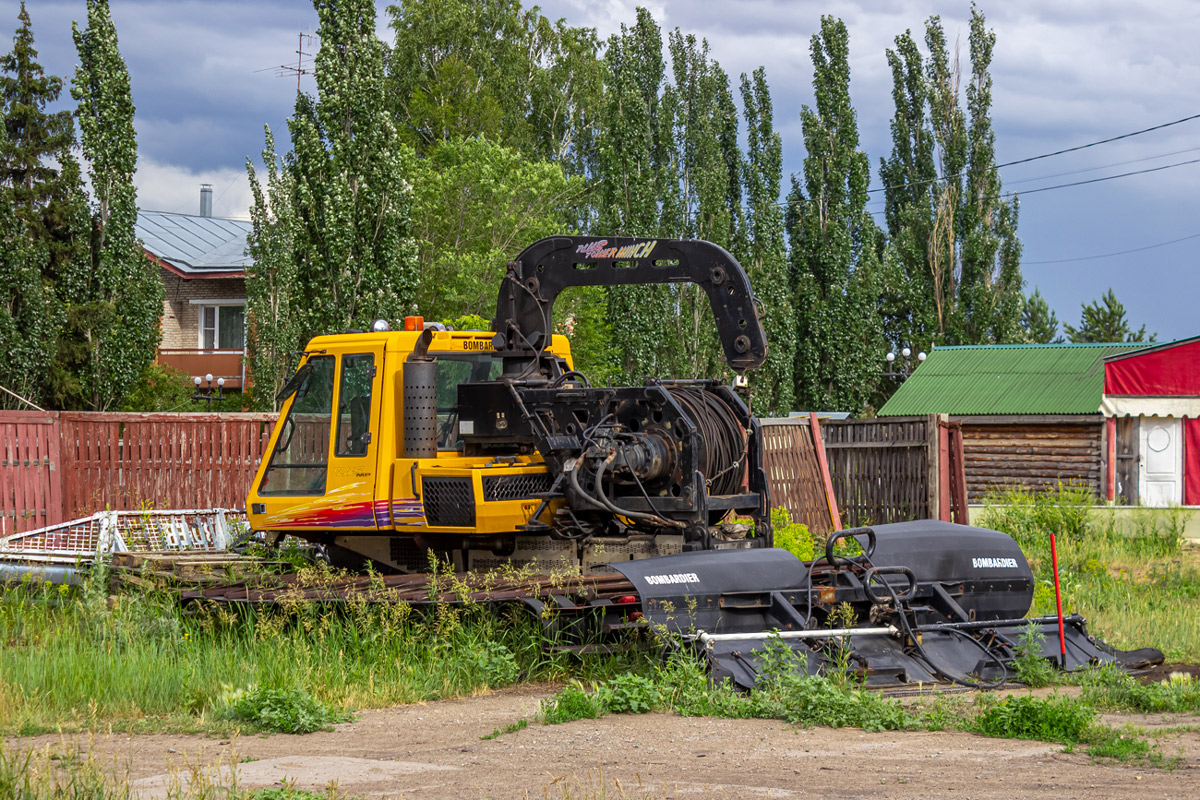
(222, 324)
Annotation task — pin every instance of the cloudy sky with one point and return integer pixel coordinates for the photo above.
(1068, 72)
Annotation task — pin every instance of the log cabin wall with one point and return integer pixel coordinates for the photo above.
(1032, 452)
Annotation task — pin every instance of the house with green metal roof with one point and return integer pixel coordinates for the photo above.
(1007, 379)
(1031, 415)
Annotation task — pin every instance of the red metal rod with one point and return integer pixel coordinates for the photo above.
(1062, 638)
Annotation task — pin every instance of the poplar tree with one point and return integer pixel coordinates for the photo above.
(273, 299)
(342, 211)
(668, 164)
(834, 261)
(42, 219)
(701, 186)
(633, 181)
(765, 256)
(954, 258)
(115, 303)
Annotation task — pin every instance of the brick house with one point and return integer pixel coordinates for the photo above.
(202, 260)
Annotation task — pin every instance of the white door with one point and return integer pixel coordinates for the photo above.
(1160, 477)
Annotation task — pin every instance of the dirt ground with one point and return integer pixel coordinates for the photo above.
(435, 751)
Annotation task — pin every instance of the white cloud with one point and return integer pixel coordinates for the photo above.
(170, 187)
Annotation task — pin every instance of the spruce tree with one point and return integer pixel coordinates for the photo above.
(1039, 322)
(115, 304)
(42, 219)
(834, 260)
(1104, 320)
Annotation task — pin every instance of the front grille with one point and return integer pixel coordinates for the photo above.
(449, 502)
(514, 487)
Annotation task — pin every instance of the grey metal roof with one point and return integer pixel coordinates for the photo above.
(194, 244)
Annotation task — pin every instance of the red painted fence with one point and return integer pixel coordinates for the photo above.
(56, 466)
(30, 471)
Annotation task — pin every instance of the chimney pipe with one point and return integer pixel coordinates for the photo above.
(206, 199)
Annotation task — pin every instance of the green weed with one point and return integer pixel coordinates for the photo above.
(630, 694)
(792, 536)
(1030, 667)
(1125, 744)
(285, 711)
(74, 659)
(1051, 719)
(1112, 689)
(571, 703)
(519, 725)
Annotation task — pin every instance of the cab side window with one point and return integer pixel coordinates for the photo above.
(354, 405)
(301, 455)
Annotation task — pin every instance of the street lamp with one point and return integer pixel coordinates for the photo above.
(903, 369)
(205, 393)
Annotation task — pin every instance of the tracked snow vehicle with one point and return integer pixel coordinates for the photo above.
(488, 450)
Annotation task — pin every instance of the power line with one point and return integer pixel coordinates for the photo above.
(1104, 166)
(1105, 178)
(1009, 195)
(1110, 255)
(1048, 155)
(1101, 141)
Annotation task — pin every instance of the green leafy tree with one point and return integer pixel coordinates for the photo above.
(954, 257)
(42, 218)
(113, 305)
(476, 204)
(1039, 322)
(1104, 320)
(490, 68)
(834, 259)
(765, 255)
(342, 212)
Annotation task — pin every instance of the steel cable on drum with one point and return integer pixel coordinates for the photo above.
(722, 438)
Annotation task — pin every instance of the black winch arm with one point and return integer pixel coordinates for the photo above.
(524, 308)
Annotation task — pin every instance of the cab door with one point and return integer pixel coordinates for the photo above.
(353, 467)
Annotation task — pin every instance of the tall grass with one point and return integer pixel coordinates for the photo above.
(1135, 583)
(77, 658)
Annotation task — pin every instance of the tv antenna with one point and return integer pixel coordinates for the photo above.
(301, 68)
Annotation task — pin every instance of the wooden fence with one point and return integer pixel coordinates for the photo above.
(878, 470)
(30, 471)
(61, 465)
(56, 466)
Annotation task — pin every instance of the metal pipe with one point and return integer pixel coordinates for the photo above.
(827, 633)
(39, 573)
